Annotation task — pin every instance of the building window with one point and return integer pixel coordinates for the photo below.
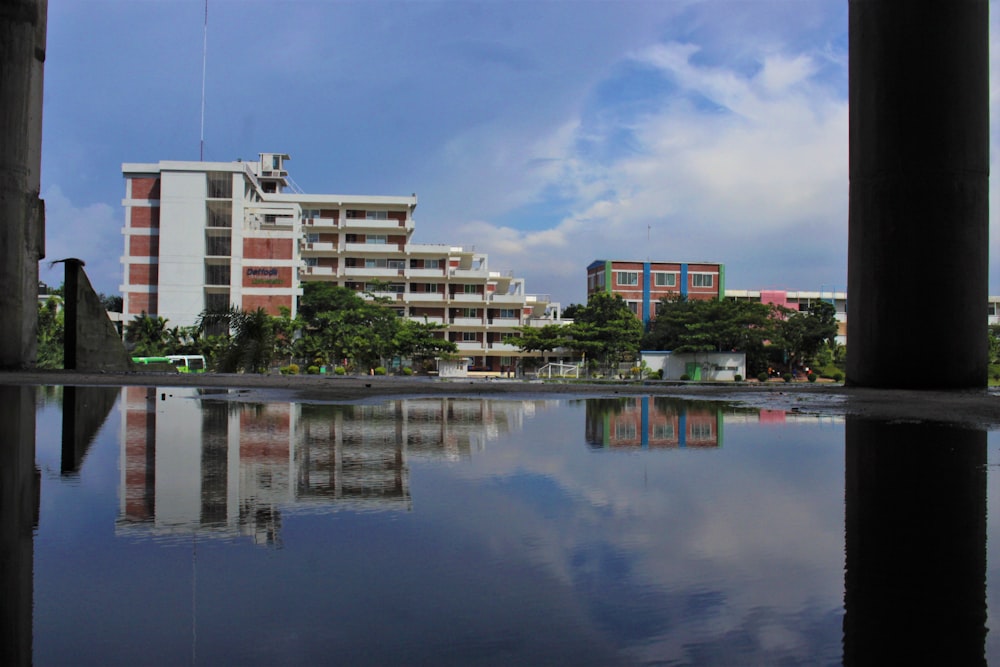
(470, 289)
(469, 336)
(432, 263)
(663, 431)
(378, 239)
(700, 431)
(702, 280)
(661, 279)
(625, 431)
(507, 314)
(309, 213)
(220, 185)
(217, 301)
(217, 274)
(633, 306)
(376, 215)
(627, 278)
(468, 312)
(218, 246)
(312, 261)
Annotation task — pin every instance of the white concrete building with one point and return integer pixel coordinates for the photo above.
(209, 234)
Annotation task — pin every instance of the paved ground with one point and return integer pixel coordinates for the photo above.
(969, 408)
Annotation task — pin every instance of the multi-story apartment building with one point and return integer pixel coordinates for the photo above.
(204, 235)
(643, 284)
(800, 300)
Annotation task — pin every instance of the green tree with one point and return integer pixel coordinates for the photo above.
(801, 334)
(146, 336)
(250, 345)
(605, 329)
(540, 339)
(51, 334)
(422, 340)
(342, 324)
(688, 325)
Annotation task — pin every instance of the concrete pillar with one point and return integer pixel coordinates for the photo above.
(915, 528)
(19, 499)
(919, 171)
(22, 216)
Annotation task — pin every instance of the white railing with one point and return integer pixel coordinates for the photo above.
(317, 246)
(558, 370)
(467, 321)
(437, 297)
(319, 222)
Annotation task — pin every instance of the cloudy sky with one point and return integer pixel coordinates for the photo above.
(547, 134)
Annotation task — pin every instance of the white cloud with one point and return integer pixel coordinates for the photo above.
(91, 232)
(769, 163)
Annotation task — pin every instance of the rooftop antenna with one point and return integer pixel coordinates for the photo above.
(204, 60)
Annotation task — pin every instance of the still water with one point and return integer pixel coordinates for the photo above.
(170, 527)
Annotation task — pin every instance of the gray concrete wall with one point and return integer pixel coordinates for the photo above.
(91, 341)
(22, 232)
(919, 170)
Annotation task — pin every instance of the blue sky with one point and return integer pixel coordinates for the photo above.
(547, 134)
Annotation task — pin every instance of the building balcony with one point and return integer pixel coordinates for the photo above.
(467, 321)
(417, 297)
(479, 274)
(369, 248)
(471, 298)
(361, 224)
(428, 319)
(425, 273)
(319, 222)
(317, 271)
(505, 322)
(504, 347)
(308, 247)
(513, 299)
(373, 272)
(469, 346)
(432, 250)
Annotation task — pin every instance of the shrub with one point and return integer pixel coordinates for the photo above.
(339, 370)
(656, 375)
(787, 377)
(811, 377)
(762, 376)
(838, 377)
(313, 370)
(737, 378)
(685, 377)
(290, 369)
(380, 370)
(407, 371)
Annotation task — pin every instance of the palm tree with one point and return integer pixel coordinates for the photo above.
(251, 339)
(146, 336)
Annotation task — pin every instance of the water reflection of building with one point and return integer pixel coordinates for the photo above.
(652, 423)
(217, 466)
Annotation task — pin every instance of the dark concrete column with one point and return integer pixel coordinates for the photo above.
(22, 216)
(915, 576)
(19, 496)
(919, 170)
